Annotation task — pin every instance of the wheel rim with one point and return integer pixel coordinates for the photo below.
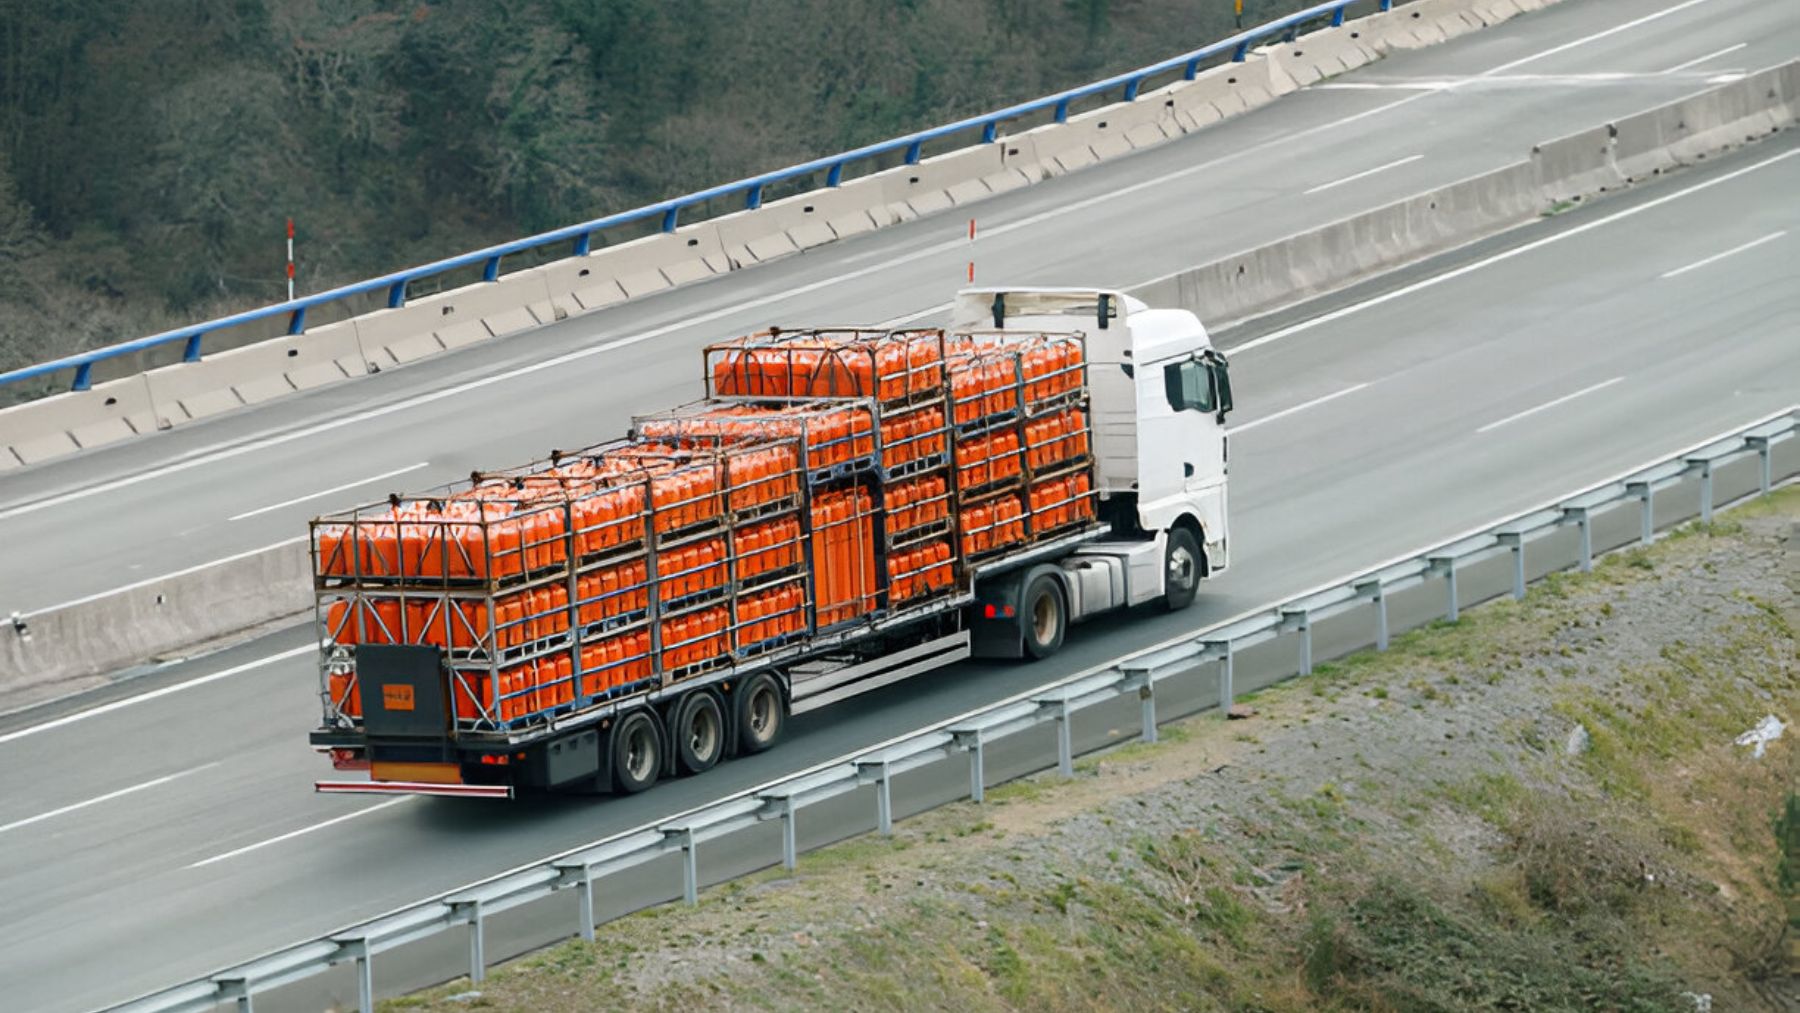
(640, 752)
(1181, 567)
(1043, 618)
(703, 733)
(762, 712)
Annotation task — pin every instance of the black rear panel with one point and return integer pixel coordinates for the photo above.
(404, 692)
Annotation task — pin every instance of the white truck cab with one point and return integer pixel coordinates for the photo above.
(1159, 394)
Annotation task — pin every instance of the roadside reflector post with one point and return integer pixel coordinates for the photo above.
(1515, 543)
(971, 740)
(471, 910)
(1301, 622)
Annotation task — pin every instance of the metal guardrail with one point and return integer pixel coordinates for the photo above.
(1136, 675)
(669, 211)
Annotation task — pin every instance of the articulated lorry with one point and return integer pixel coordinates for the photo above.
(848, 507)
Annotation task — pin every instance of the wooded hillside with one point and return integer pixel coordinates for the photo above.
(150, 151)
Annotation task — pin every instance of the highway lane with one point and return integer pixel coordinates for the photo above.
(110, 899)
(236, 483)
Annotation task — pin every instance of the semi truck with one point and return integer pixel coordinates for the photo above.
(847, 508)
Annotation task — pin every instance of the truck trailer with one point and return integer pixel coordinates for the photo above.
(846, 508)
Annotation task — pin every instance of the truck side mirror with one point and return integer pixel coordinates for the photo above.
(1219, 371)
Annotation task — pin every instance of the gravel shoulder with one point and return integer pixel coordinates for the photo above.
(1541, 807)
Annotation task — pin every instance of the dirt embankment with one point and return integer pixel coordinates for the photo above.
(1540, 808)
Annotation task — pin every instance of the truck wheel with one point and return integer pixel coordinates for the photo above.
(637, 752)
(1044, 616)
(761, 715)
(699, 732)
(1181, 569)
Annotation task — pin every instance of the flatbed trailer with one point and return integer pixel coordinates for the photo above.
(1156, 532)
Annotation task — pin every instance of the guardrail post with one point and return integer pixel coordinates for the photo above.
(1303, 626)
(1337, 16)
(84, 376)
(690, 869)
(1131, 88)
(365, 974)
(1706, 492)
(477, 943)
(1147, 708)
(1191, 70)
(237, 990)
(971, 740)
(884, 802)
(584, 243)
(1764, 454)
(190, 352)
(297, 321)
(1646, 493)
(397, 294)
(490, 271)
(671, 219)
(913, 151)
(835, 174)
(790, 848)
(1242, 51)
(586, 899)
(990, 131)
(1062, 111)
(753, 198)
(1515, 541)
(1584, 522)
(1065, 742)
(1447, 566)
(1376, 592)
(1225, 676)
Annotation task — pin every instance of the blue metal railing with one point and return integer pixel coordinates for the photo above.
(669, 211)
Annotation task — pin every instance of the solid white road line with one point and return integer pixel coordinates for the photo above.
(1505, 255)
(108, 708)
(1321, 188)
(1710, 56)
(207, 456)
(1285, 412)
(335, 488)
(1597, 36)
(290, 835)
(96, 596)
(109, 796)
(1550, 404)
(1715, 258)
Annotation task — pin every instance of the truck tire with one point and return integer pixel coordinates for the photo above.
(1043, 616)
(699, 731)
(1182, 565)
(761, 713)
(637, 749)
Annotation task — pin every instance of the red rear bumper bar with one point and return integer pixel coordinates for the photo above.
(413, 788)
